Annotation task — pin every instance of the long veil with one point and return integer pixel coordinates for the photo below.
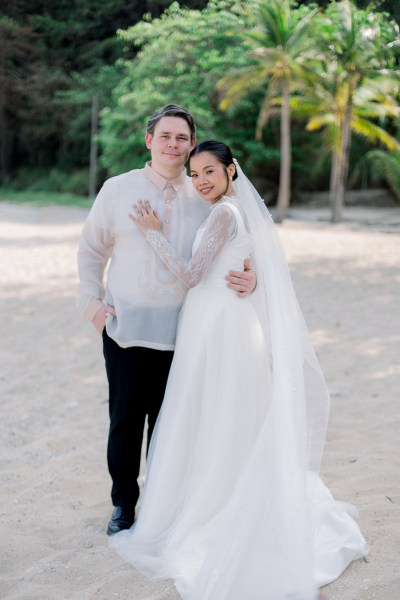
(298, 383)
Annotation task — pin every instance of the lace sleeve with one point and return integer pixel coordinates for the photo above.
(221, 227)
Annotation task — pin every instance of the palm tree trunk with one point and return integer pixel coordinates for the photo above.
(286, 157)
(337, 189)
(333, 179)
(343, 163)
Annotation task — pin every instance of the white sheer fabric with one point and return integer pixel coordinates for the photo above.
(221, 227)
(233, 507)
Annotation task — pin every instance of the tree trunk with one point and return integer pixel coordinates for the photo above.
(343, 162)
(333, 179)
(286, 157)
(93, 147)
(3, 138)
(339, 190)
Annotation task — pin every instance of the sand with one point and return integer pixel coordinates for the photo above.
(54, 495)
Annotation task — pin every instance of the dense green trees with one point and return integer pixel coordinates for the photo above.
(54, 57)
(182, 57)
(16, 45)
(328, 64)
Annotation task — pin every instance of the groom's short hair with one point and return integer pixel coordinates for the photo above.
(171, 110)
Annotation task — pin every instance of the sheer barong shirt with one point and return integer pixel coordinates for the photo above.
(146, 296)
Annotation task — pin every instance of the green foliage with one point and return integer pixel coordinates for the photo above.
(53, 180)
(354, 87)
(386, 167)
(42, 198)
(67, 47)
(280, 44)
(182, 56)
(15, 47)
(391, 7)
(55, 56)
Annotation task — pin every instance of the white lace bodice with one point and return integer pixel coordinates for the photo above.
(222, 230)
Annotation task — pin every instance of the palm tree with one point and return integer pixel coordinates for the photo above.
(357, 54)
(324, 103)
(280, 43)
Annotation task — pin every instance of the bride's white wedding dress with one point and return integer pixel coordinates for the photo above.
(228, 510)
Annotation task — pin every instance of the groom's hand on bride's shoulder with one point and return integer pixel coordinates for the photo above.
(243, 282)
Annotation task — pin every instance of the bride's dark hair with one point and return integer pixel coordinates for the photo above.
(221, 151)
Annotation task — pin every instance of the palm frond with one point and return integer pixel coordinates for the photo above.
(237, 84)
(386, 165)
(274, 17)
(382, 91)
(301, 38)
(269, 56)
(373, 132)
(320, 121)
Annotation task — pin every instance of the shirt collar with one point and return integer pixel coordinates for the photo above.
(160, 181)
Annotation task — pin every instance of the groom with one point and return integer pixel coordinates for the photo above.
(137, 312)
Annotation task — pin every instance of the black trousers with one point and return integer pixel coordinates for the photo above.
(136, 378)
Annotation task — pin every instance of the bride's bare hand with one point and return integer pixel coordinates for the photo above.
(146, 218)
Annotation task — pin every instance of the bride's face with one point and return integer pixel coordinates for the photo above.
(210, 178)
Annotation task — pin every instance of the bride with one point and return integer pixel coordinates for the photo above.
(233, 506)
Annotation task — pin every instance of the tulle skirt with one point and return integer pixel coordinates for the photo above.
(228, 511)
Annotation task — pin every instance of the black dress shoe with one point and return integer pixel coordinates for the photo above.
(122, 518)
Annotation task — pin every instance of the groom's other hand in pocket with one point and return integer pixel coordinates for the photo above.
(99, 319)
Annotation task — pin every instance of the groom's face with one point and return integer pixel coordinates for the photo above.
(170, 143)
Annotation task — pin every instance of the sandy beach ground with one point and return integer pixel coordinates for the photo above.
(54, 495)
